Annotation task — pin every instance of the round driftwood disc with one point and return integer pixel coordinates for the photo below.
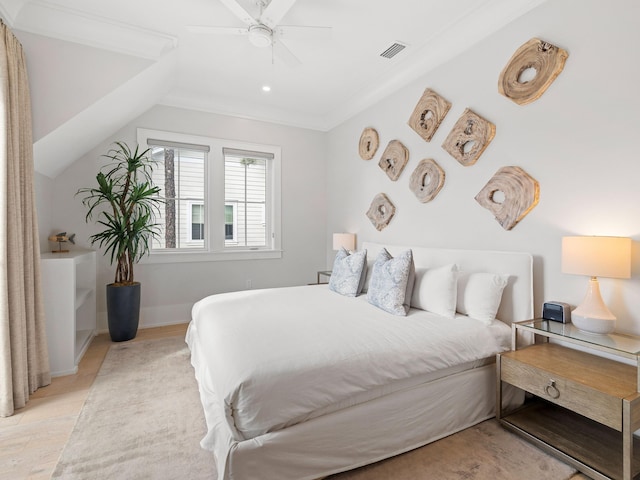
(519, 194)
(537, 59)
(369, 143)
(469, 137)
(393, 159)
(428, 114)
(427, 180)
(381, 211)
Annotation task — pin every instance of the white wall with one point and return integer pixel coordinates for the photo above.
(79, 74)
(43, 187)
(577, 140)
(169, 290)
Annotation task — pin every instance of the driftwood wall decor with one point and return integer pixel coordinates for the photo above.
(520, 193)
(369, 143)
(393, 159)
(469, 137)
(381, 211)
(427, 180)
(536, 58)
(428, 114)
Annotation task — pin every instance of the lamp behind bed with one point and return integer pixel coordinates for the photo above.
(344, 240)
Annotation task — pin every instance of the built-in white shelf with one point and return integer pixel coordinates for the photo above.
(69, 291)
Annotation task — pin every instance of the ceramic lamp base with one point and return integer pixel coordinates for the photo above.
(598, 326)
(592, 315)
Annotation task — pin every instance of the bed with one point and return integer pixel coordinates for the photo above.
(301, 382)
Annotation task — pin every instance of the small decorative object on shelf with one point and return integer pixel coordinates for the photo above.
(61, 238)
(537, 59)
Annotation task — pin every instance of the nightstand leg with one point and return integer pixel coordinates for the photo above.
(630, 423)
(498, 389)
(627, 440)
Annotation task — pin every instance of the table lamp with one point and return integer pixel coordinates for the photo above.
(595, 257)
(344, 240)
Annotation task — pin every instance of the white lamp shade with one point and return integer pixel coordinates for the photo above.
(597, 256)
(344, 240)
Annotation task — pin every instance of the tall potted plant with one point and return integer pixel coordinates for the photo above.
(124, 201)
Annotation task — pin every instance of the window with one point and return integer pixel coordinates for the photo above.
(245, 191)
(221, 197)
(230, 220)
(197, 222)
(179, 171)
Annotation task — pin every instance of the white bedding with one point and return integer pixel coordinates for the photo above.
(274, 358)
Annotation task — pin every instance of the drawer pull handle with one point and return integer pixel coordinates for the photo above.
(552, 390)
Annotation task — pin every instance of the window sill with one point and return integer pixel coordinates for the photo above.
(190, 257)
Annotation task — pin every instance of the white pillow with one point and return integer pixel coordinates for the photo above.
(348, 274)
(435, 290)
(479, 295)
(391, 283)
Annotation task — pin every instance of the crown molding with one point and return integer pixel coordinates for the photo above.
(45, 18)
(9, 10)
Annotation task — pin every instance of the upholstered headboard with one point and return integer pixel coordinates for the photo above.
(517, 298)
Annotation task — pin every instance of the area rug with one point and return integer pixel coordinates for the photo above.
(143, 420)
(483, 452)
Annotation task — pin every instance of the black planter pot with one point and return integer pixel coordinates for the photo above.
(123, 311)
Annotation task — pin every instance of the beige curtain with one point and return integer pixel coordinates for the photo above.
(24, 360)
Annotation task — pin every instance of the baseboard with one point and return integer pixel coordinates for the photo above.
(151, 317)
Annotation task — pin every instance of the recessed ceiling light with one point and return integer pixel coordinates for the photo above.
(266, 88)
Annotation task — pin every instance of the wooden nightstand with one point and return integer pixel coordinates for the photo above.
(583, 408)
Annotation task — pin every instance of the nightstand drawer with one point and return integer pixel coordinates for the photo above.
(580, 398)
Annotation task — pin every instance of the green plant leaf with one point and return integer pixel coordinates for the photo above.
(125, 202)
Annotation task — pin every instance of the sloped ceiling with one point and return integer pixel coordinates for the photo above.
(94, 65)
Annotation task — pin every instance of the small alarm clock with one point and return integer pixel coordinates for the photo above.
(556, 311)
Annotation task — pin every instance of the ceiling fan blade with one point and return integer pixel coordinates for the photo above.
(300, 32)
(283, 53)
(239, 11)
(275, 11)
(211, 30)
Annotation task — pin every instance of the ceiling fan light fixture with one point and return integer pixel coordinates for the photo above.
(260, 35)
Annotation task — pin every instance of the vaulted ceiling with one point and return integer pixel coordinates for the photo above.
(94, 65)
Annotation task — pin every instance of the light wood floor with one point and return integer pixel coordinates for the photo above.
(32, 439)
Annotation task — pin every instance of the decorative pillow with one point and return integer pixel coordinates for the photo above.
(435, 290)
(479, 295)
(391, 282)
(348, 274)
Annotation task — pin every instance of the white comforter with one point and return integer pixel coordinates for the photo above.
(272, 358)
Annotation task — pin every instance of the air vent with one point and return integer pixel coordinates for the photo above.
(393, 50)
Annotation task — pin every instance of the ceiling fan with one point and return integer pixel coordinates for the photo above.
(263, 30)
